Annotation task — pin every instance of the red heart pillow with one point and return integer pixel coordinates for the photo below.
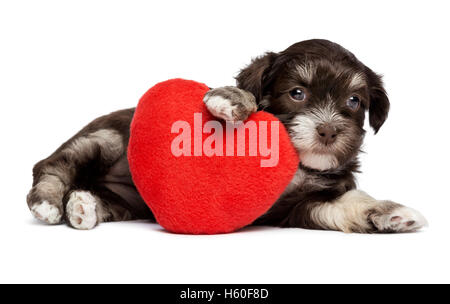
(213, 190)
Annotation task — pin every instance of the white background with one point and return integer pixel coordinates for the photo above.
(64, 63)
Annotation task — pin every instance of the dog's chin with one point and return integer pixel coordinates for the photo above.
(319, 161)
(316, 155)
(321, 157)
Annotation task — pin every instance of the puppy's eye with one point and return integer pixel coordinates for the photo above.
(297, 94)
(353, 103)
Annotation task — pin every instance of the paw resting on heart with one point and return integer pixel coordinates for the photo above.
(398, 219)
(230, 103)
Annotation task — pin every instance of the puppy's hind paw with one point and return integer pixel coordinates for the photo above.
(46, 213)
(45, 200)
(398, 219)
(81, 210)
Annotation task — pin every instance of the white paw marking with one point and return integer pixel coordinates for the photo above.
(81, 210)
(47, 212)
(220, 107)
(402, 219)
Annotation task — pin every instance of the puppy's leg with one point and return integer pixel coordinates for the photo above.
(355, 211)
(230, 103)
(45, 198)
(92, 150)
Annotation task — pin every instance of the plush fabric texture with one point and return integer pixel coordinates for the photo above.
(200, 194)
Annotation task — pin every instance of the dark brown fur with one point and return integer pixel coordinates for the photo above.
(108, 179)
(267, 78)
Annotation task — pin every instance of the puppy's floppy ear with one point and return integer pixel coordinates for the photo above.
(379, 101)
(254, 78)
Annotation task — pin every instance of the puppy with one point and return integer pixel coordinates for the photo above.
(319, 91)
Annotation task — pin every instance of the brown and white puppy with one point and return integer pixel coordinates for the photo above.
(319, 90)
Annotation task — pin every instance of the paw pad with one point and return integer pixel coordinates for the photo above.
(81, 210)
(400, 219)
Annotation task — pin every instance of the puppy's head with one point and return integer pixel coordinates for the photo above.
(320, 91)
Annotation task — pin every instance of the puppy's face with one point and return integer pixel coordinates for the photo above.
(321, 92)
(323, 106)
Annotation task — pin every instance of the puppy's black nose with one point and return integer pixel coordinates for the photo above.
(327, 134)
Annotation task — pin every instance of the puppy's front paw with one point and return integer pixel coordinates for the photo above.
(81, 210)
(230, 103)
(391, 218)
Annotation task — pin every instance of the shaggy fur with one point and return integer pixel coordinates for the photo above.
(318, 89)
